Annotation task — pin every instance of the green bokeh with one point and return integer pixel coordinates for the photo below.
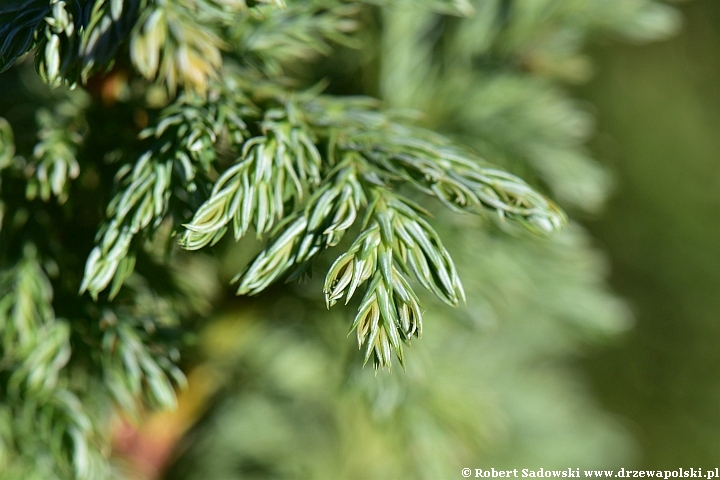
(658, 110)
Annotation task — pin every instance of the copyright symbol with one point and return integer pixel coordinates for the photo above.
(466, 472)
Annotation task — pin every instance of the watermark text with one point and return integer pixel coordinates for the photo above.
(707, 474)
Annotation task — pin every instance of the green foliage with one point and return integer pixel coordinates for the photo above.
(493, 79)
(55, 164)
(366, 153)
(168, 42)
(20, 21)
(195, 117)
(488, 385)
(73, 39)
(39, 404)
(66, 359)
(271, 38)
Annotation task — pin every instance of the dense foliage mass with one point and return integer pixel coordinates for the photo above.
(174, 122)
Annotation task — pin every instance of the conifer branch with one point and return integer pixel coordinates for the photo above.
(184, 144)
(35, 350)
(330, 211)
(170, 44)
(54, 157)
(45, 417)
(19, 24)
(232, 145)
(134, 374)
(73, 39)
(269, 37)
(394, 241)
(432, 164)
(273, 169)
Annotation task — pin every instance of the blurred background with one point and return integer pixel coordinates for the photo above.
(658, 114)
(596, 349)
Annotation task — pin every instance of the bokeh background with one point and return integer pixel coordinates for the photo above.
(595, 348)
(549, 366)
(598, 348)
(658, 113)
